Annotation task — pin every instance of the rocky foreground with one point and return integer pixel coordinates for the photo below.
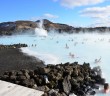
(59, 80)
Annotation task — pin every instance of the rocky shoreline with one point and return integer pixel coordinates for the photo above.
(13, 46)
(59, 80)
(11, 58)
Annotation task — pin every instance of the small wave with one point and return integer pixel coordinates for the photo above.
(47, 58)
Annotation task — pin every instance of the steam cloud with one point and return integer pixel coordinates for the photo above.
(40, 31)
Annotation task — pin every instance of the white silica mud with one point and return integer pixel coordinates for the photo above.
(60, 48)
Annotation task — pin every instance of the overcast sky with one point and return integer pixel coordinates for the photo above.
(73, 12)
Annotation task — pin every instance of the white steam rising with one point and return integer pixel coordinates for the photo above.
(40, 31)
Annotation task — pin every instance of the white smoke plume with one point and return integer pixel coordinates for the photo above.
(41, 31)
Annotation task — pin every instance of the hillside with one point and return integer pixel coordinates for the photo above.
(9, 28)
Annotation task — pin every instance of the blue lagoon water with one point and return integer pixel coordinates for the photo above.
(56, 48)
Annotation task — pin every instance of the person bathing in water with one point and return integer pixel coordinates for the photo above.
(98, 60)
(71, 55)
(67, 47)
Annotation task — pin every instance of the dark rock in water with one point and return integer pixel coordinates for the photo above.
(102, 81)
(99, 80)
(95, 86)
(97, 71)
(89, 90)
(81, 93)
(93, 93)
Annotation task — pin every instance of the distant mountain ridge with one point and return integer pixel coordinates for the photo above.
(48, 25)
(8, 28)
(56, 26)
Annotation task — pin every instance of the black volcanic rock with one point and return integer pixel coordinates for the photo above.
(57, 85)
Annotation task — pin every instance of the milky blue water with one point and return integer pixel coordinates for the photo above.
(56, 48)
